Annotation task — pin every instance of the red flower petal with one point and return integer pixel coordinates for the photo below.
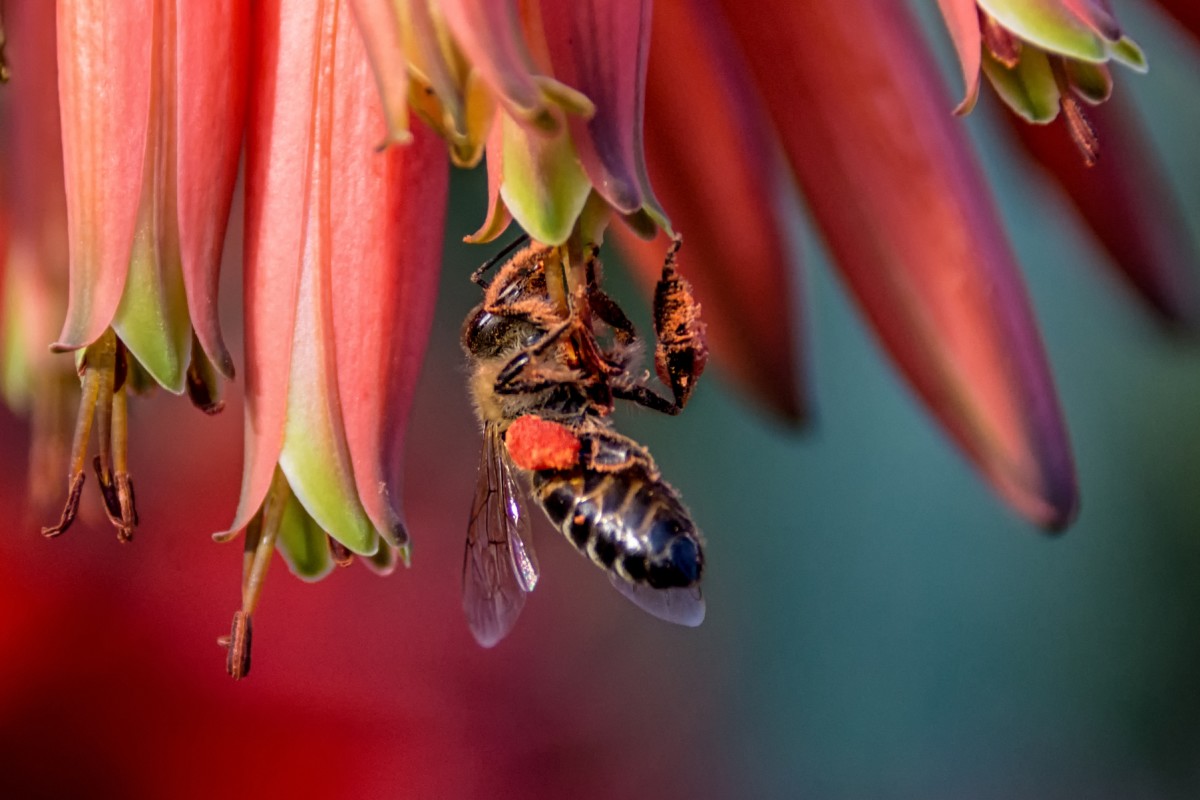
(489, 33)
(277, 148)
(962, 18)
(388, 210)
(1187, 12)
(1127, 201)
(498, 217)
(1099, 16)
(722, 189)
(211, 63)
(104, 96)
(599, 47)
(379, 23)
(891, 182)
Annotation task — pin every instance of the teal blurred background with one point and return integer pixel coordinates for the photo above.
(879, 625)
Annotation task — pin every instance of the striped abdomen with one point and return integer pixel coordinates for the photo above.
(626, 522)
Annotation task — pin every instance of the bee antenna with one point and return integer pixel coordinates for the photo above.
(505, 252)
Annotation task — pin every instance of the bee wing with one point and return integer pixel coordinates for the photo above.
(499, 566)
(682, 605)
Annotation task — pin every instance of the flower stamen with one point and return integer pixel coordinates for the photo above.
(1081, 130)
(103, 371)
(999, 41)
(261, 535)
(340, 553)
(203, 387)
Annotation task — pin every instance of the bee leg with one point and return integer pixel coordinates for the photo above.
(609, 451)
(521, 361)
(646, 397)
(681, 352)
(605, 308)
(477, 277)
(611, 314)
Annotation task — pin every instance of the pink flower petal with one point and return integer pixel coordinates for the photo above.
(104, 96)
(962, 19)
(905, 212)
(1098, 14)
(498, 216)
(600, 48)
(277, 151)
(379, 23)
(388, 211)
(1127, 201)
(211, 64)
(489, 33)
(722, 190)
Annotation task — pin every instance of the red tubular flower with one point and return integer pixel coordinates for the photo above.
(739, 260)
(906, 216)
(152, 98)
(1147, 238)
(341, 264)
(1185, 11)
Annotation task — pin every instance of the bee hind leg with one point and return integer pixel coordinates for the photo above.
(681, 352)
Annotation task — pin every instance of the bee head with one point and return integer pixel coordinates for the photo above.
(487, 335)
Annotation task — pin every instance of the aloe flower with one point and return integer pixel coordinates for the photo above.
(152, 101)
(341, 251)
(352, 111)
(555, 92)
(906, 218)
(1041, 56)
(1126, 199)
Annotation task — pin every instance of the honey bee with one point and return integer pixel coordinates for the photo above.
(544, 386)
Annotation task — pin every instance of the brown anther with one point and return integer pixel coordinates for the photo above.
(117, 492)
(340, 553)
(999, 41)
(108, 491)
(70, 510)
(237, 643)
(1081, 130)
(128, 500)
(201, 390)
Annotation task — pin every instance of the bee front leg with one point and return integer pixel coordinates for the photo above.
(646, 397)
(521, 361)
(681, 352)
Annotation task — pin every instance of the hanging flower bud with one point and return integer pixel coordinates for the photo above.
(152, 101)
(909, 224)
(556, 93)
(343, 246)
(1041, 56)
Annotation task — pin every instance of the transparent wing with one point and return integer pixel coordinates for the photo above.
(682, 606)
(499, 566)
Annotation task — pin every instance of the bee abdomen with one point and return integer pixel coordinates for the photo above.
(625, 522)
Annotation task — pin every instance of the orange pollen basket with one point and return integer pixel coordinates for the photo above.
(537, 444)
